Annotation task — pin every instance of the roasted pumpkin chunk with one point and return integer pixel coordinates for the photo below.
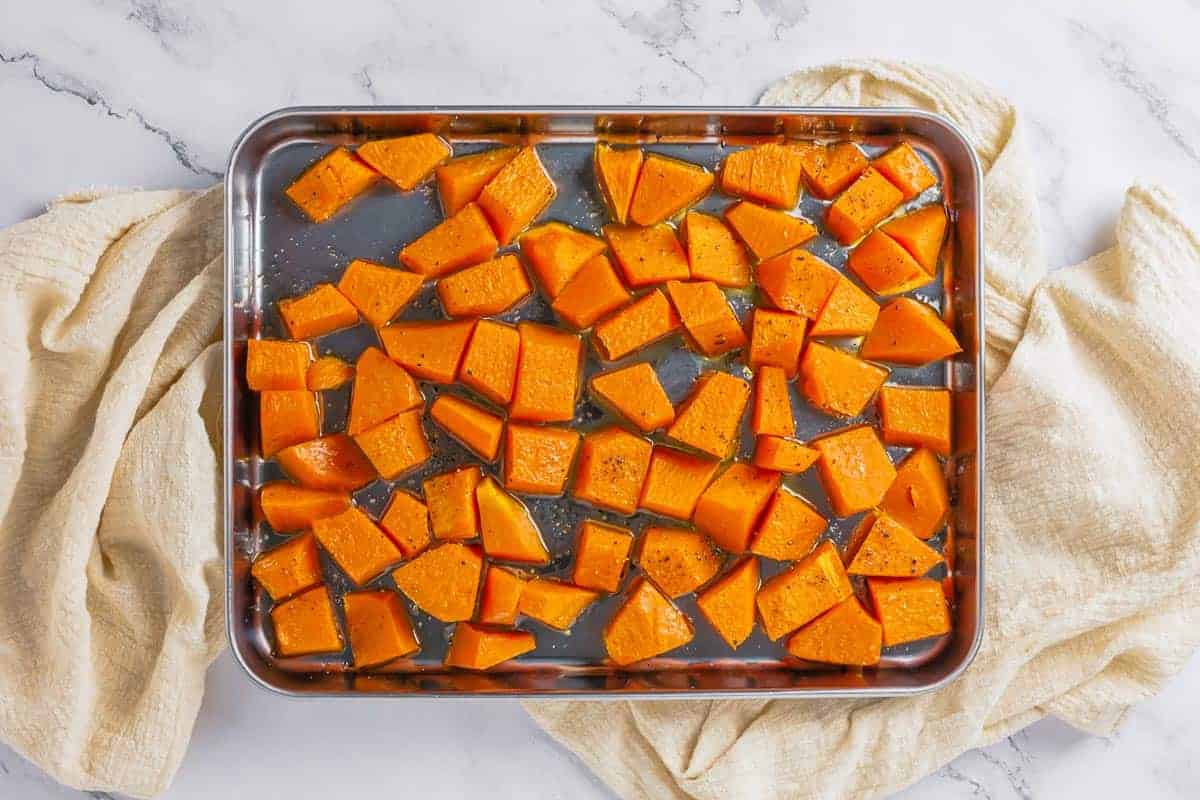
(286, 418)
(520, 192)
(463, 238)
(635, 393)
(838, 382)
(330, 462)
(509, 532)
(710, 419)
(675, 481)
(538, 458)
(556, 252)
(288, 507)
(431, 351)
(554, 603)
(477, 429)
(289, 568)
(305, 624)
(728, 604)
(730, 508)
(789, 528)
(916, 417)
(275, 365)
(849, 311)
(714, 253)
(798, 281)
(646, 625)
(783, 455)
(845, 634)
(612, 468)
(918, 498)
(321, 311)
(884, 266)
(460, 180)
(641, 323)
(829, 170)
(909, 332)
(379, 627)
(904, 168)
(707, 317)
(548, 373)
(492, 287)
(776, 339)
(769, 173)
(444, 581)
(396, 446)
(909, 609)
(405, 160)
(861, 207)
(813, 586)
(617, 176)
(326, 186)
(489, 365)
(326, 373)
(593, 292)
(766, 231)
(920, 233)
(772, 410)
(678, 560)
(855, 469)
(601, 556)
(665, 187)
(382, 389)
(473, 647)
(501, 594)
(451, 500)
(647, 255)
(882, 547)
(406, 522)
(356, 544)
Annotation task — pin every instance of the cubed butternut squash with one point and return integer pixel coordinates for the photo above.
(730, 508)
(837, 382)
(288, 507)
(714, 252)
(854, 468)
(443, 581)
(305, 625)
(501, 593)
(862, 206)
(473, 647)
(769, 173)
(276, 365)
(406, 161)
(509, 532)
(477, 429)
(915, 417)
(711, 325)
(909, 332)
(904, 168)
(612, 468)
(675, 481)
(356, 544)
(909, 609)
(728, 604)
(918, 498)
(514, 198)
(772, 409)
(776, 339)
(463, 238)
(321, 311)
(641, 323)
(538, 458)
(556, 252)
(849, 311)
(829, 170)
(921, 233)
(431, 351)
(492, 287)
(460, 180)
(382, 389)
(884, 548)
(665, 187)
(635, 393)
(647, 255)
(327, 373)
(814, 585)
(326, 186)
(451, 499)
(789, 529)
(783, 455)
(489, 364)
(554, 603)
(768, 232)
(548, 373)
(286, 418)
(593, 292)
(617, 176)
(379, 627)
(797, 281)
(406, 522)
(678, 560)
(331, 462)
(845, 634)
(710, 418)
(646, 625)
(601, 556)
(884, 266)
(289, 568)
(396, 446)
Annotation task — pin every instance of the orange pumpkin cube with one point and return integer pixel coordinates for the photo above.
(904, 168)
(647, 255)
(639, 324)
(882, 547)
(289, 568)
(915, 417)
(356, 544)
(520, 191)
(767, 231)
(845, 634)
(326, 373)
(275, 365)
(396, 446)
(444, 581)
(855, 469)
(286, 418)
(679, 561)
(326, 186)
(548, 372)
(463, 238)
(712, 326)
(710, 419)
(783, 455)
(829, 170)
(646, 625)
(884, 266)
(635, 393)
(556, 252)
(406, 522)
(501, 593)
(729, 509)
(617, 175)
(789, 528)
(473, 647)
(601, 556)
(554, 603)
(861, 207)
(849, 311)
(612, 468)
(489, 364)
(810, 588)
(509, 532)
(909, 332)
(305, 625)
(492, 287)
(382, 389)
(460, 180)
(770, 173)
(331, 462)
(594, 291)
(288, 507)
(772, 411)
(675, 481)
(405, 160)
(537, 458)
(776, 339)
(909, 609)
(473, 427)
(728, 604)
(665, 187)
(918, 498)
(798, 281)
(920, 233)
(317, 313)
(451, 500)
(430, 350)
(379, 627)
(838, 382)
(714, 253)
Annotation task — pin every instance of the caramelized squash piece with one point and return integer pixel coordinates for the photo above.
(918, 498)
(492, 287)
(379, 627)
(639, 324)
(767, 231)
(475, 428)
(405, 160)
(396, 446)
(810, 588)
(920, 233)
(406, 522)
(537, 459)
(909, 332)
(903, 167)
(838, 382)
(489, 365)
(646, 625)
(317, 313)
(305, 625)
(502, 589)
(916, 417)
(443, 582)
(710, 419)
(679, 561)
(776, 339)
(556, 252)
(382, 389)
(276, 365)
(707, 316)
(884, 548)
(884, 266)
(520, 191)
(783, 455)
(595, 290)
(647, 255)
(356, 544)
(772, 410)
(601, 556)
(861, 207)
(612, 468)
(635, 393)
(789, 528)
(675, 481)
(327, 373)
(289, 568)
(326, 186)
(730, 508)
(769, 173)
(909, 610)
(849, 311)
(509, 532)
(460, 239)
(617, 176)
(548, 373)
(481, 648)
(330, 462)
(288, 507)
(714, 253)
(554, 603)
(460, 180)
(430, 350)
(451, 500)
(845, 634)
(855, 469)
(286, 418)
(728, 604)
(798, 281)
(665, 187)
(829, 170)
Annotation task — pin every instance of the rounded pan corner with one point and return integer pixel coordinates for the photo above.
(259, 680)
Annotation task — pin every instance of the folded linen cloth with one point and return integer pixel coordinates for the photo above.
(1093, 538)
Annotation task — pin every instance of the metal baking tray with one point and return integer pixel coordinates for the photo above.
(273, 252)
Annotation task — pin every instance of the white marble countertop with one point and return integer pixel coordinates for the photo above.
(152, 93)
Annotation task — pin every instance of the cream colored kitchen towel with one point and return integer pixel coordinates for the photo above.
(1092, 506)
(110, 559)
